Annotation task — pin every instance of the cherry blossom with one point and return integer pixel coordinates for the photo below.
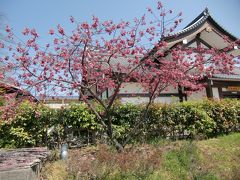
(98, 56)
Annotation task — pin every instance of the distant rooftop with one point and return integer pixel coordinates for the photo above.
(58, 98)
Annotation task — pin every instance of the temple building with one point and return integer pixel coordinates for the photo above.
(205, 32)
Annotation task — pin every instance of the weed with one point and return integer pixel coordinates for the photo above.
(211, 159)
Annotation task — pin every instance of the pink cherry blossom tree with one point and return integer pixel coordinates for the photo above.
(97, 56)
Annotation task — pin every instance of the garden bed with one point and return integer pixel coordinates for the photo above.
(216, 158)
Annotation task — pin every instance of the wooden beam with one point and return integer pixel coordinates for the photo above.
(209, 89)
(205, 43)
(180, 92)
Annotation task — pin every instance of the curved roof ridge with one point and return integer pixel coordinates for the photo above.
(222, 28)
(205, 13)
(199, 20)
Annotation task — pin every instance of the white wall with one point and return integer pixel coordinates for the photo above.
(132, 87)
(140, 100)
(170, 89)
(215, 93)
(198, 95)
(56, 106)
(104, 95)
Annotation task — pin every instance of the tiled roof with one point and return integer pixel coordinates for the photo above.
(227, 76)
(197, 22)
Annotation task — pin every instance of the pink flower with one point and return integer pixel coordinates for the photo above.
(162, 14)
(8, 29)
(94, 25)
(141, 33)
(85, 25)
(1, 45)
(149, 10)
(26, 31)
(60, 30)
(34, 33)
(51, 32)
(72, 19)
(1, 76)
(37, 114)
(55, 41)
(159, 6)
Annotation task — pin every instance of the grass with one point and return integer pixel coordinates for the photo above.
(221, 156)
(211, 159)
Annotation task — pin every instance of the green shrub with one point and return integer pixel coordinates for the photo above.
(124, 117)
(193, 119)
(225, 113)
(28, 127)
(160, 121)
(175, 121)
(79, 116)
(180, 120)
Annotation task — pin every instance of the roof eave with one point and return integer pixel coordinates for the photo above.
(196, 24)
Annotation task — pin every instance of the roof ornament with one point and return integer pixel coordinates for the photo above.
(208, 29)
(206, 11)
(185, 41)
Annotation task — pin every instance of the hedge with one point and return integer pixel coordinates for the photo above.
(202, 119)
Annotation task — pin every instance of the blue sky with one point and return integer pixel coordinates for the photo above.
(46, 14)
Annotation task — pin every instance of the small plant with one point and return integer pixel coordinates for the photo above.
(208, 159)
(56, 170)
